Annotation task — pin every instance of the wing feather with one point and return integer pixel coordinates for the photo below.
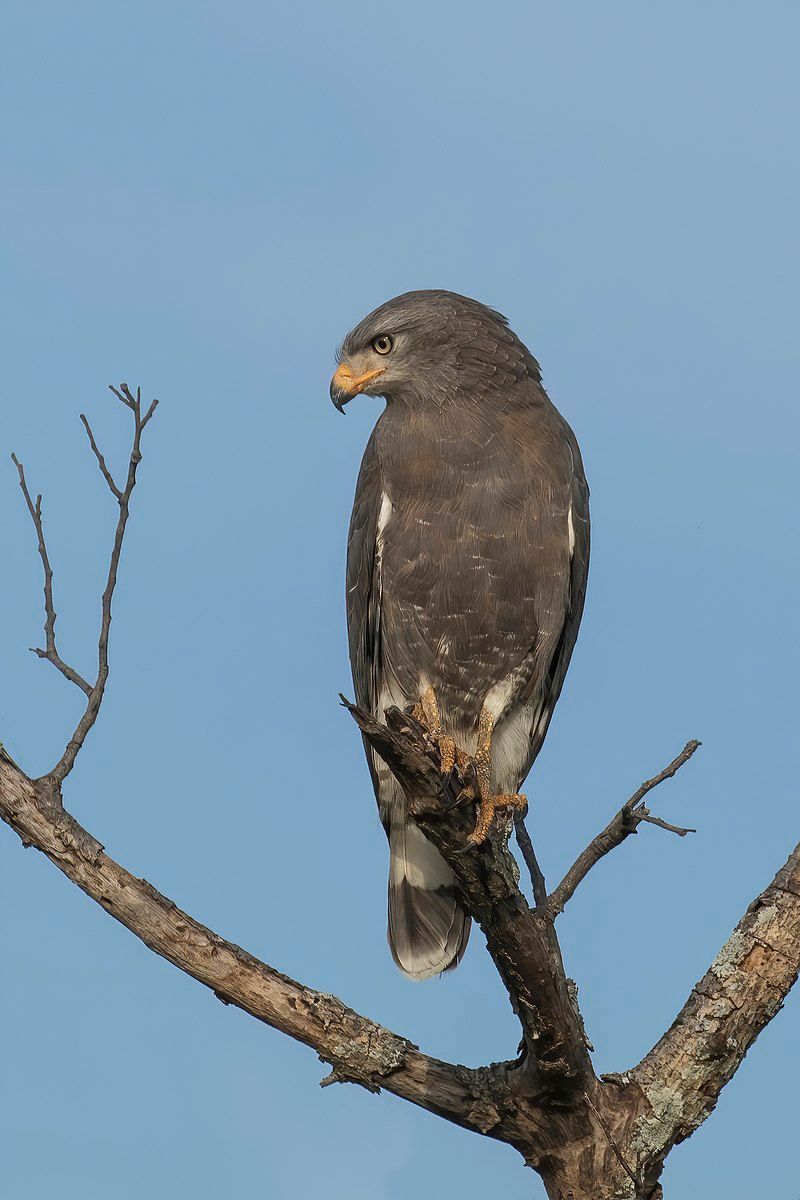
(578, 534)
(363, 582)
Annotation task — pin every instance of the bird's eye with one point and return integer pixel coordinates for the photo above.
(383, 344)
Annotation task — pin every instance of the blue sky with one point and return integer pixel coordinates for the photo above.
(202, 199)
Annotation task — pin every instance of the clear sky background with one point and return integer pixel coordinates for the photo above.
(202, 199)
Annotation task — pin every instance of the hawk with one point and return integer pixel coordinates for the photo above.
(467, 560)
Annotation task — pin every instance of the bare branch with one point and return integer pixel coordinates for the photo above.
(639, 1115)
(642, 814)
(94, 691)
(670, 770)
(525, 844)
(150, 411)
(101, 460)
(50, 652)
(620, 827)
(358, 1050)
(741, 992)
(123, 393)
(521, 941)
(67, 760)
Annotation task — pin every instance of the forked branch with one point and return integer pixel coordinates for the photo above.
(50, 651)
(101, 462)
(93, 691)
(744, 988)
(621, 826)
(528, 853)
(358, 1050)
(521, 941)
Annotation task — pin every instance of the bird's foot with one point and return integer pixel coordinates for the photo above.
(487, 809)
(468, 779)
(475, 772)
(489, 802)
(426, 712)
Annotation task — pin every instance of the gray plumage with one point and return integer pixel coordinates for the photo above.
(466, 567)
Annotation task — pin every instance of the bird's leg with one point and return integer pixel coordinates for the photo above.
(427, 713)
(489, 802)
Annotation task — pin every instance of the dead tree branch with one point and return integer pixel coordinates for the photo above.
(357, 1049)
(525, 844)
(94, 691)
(101, 462)
(744, 988)
(589, 1138)
(521, 941)
(50, 651)
(620, 827)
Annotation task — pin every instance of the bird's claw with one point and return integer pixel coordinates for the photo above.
(464, 796)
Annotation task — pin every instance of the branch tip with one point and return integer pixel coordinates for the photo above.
(621, 826)
(538, 883)
(101, 462)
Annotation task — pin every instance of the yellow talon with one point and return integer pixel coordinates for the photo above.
(427, 713)
(489, 802)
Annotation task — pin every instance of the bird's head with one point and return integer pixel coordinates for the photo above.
(419, 345)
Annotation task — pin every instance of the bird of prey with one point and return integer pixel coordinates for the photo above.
(467, 561)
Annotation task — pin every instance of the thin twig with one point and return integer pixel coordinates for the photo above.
(123, 393)
(67, 760)
(670, 770)
(109, 478)
(644, 814)
(149, 413)
(621, 826)
(50, 652)
(531, 862)
(96, 690)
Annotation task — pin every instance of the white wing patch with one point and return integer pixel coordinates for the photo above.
(497, 698)
(384, 516)
(510, 747)
(571, 531)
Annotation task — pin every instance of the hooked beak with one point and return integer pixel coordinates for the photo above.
(345, 384)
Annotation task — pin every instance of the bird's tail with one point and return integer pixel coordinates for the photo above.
(428, 929)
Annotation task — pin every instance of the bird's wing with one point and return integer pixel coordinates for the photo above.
(578, 533)
(363, 583)
(428, 929)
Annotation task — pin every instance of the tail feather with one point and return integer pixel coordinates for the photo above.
(428, 929)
